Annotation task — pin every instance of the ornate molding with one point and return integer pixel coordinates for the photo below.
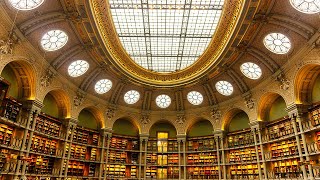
(7, 45)
(181, 118)
(216, 114)
(283, 80)
(248, 100)
(233, 11)
(145, 118)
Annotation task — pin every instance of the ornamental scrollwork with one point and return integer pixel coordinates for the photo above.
(6, 46)
(216, 114)
(110, 113)
(145, 119)
(181, 119)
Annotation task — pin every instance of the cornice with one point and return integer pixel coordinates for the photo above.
(230, 23)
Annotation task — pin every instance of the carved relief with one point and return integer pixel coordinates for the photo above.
(110, 113)
(216, 114)
(249, 101)
(6, 46)
(46, 79)
(145, 119)
(79, 98)
(181, 119)
(284, 82)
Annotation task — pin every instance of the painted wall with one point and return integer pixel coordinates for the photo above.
(277, 109)
(201, 128)
(238, 122)
(164, 127)
(316, 90)
(87, 120)
(8, 74)
(50, 106)
(125, 127)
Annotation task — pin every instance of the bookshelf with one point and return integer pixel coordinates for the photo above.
(201, 144)
(279, 128)
(6, 134)
(10, 109)
(209, 172)
(48, 125)
(240, 138)
(202, 158)
(43, 145)
(287, 169)
(286, 148)
(86, 136)
(245, 171)
(314, 115)
(243, 155)
(40, 165)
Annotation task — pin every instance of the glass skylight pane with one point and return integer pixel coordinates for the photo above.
(165, 35)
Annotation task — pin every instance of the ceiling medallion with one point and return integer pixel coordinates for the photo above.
(120, 58)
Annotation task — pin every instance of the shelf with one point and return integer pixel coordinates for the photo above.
(243, 155)
(48, 125)
(209, 172)
(201, 144)
(240, 138)
(10, 109)
(202, 158)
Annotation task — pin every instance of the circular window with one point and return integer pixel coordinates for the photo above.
(25, 5)
(195, 97)
(103, 86)
(277, 43)
(163, 101)
(306, 6)
(54, 40)
(77, 68)
(251, 70)
(131, 97)
(224, 88)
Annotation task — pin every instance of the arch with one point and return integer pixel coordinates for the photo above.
(131, 118)
(229, 115)
(163, 125)
(63, 102)
(200, 127)
(96, 113)
(128, 127)
(265, 103)
(304, 82)
(26, 78)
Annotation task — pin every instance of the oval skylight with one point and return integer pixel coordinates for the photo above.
(77, 68)
(224, 88)
(166, 35)
(195, 98)
(251, 70)
(277, 43)
(163, 101)
(25, 5)
(306, 6)
(131, 97)
(103, 86)
(54, 40)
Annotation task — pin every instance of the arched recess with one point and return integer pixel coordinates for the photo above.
(304, 83)
(125, 126)
(163, 126)
(235, 120)
(57, 104)
(271, 107)
(91, 118)
(21, 76)
(201, 127)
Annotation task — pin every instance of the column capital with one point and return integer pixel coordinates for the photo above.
(256, 124)
(106, 132)
(181, 137)
(144, 137)
(71, 122)
(34, 105)
(219, 133)
(296, 109)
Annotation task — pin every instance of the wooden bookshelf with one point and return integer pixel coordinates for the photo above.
(40, 165)
(116, 171)
(314, 115)
(240, 138)
(208, 172)
(201, 144)
(6, 134)
(243, 155)
(10, 109)
(48, 125)
(76, 168)
(245, 171)
(202, 158)
(287, 169)
(279, 128)
(44, 145)
(286, 148)
(86, 136)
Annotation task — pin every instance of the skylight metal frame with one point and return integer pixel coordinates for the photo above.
(165, 35)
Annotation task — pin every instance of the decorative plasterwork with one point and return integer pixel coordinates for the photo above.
(79, 98)
(47, 77)
(103, 20)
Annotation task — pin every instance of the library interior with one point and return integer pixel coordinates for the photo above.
(159, 89)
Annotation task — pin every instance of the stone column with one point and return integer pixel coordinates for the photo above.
(292, 111)
(108, 136)
(219, 134)
(298, 114)
(143, 152)
(104, 134)
(70, 125)
(34, 108)
(182, 138)
(253, 129)
(216, 139)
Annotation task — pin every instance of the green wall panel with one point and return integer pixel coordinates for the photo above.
(87, 120)
(201, 128)
(125, 127)
(316, 91)
(277, 109)
(238, 122)
(163, 127)
(50, 106)
(8, 74)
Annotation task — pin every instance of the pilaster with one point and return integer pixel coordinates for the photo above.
(219, 136)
